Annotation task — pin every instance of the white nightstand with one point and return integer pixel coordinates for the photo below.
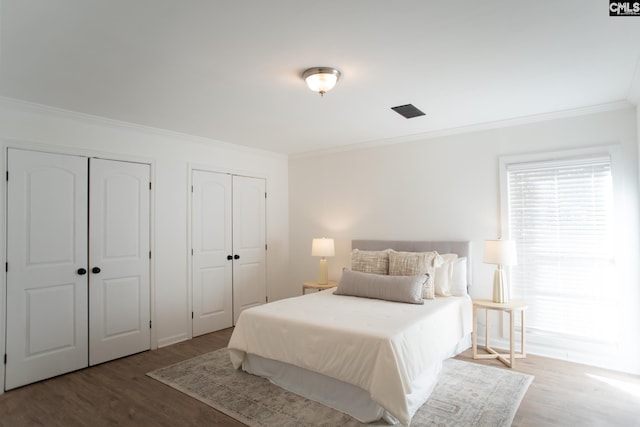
(318, 286)
(508, 307)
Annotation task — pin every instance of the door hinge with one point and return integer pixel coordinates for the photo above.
(191, 251)
(7, 175)
(149, 324)
(6, 267)
(149, 254)
(266, 299)
(265, 246)
(192, 314)
(5, 358)
(192, 188)
(149, 186)
(265, 194)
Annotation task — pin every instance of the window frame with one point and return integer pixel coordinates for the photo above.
(560, 346)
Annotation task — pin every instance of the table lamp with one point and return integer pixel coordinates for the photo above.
(323, 248)
(501, 253)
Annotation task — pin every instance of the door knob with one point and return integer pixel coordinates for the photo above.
(95, 270)
(82, 271)
(236, 256)
(229, 257)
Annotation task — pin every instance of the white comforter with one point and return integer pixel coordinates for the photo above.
(379, 346)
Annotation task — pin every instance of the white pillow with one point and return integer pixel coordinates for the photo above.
(458, 283)
(443, 274)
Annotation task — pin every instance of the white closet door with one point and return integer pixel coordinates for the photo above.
(47, 261)
(119, 284)
(249, 240)
(211, 240)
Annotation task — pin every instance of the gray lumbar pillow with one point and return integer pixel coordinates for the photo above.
(391, 288)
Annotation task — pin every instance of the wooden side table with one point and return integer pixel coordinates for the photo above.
(318, 286)
(508, 307)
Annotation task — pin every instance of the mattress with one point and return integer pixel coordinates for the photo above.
(383, 348)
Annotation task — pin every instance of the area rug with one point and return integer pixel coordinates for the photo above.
(467, 394)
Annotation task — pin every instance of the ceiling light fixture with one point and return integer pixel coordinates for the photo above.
(321, 79)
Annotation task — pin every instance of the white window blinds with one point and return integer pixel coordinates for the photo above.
(560, 214)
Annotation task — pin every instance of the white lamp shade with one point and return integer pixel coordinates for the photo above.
(321, 79)
(501, 252)
(322, 247)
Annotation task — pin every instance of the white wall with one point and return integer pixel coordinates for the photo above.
(30, 126)
(447, 188)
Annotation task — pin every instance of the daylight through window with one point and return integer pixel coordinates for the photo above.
(561, 215)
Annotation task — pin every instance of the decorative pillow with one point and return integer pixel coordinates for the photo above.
(414, 263)
(390, 288)
(376, 262)
(442, 279)
(428, 290)
(458, 284)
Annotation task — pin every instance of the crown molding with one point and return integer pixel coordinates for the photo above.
(633, 94)
(479, 127)
(35, 108)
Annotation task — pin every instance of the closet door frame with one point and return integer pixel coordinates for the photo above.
(5, 145)
(209, 168)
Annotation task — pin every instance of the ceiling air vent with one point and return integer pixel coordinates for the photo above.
(407, 111)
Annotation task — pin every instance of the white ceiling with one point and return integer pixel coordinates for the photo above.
(230, 70)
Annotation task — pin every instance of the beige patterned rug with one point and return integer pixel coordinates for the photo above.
(467, 394)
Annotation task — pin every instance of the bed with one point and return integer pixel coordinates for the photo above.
(370, 358)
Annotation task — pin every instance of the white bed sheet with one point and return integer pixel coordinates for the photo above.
(379, 346)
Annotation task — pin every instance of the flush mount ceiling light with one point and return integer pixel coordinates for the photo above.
(321, 79)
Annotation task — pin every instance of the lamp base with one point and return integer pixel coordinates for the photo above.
(499, 285)
(323, 275)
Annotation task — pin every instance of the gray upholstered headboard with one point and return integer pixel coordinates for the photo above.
(463, 249)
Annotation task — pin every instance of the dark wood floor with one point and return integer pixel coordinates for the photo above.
(119, 393)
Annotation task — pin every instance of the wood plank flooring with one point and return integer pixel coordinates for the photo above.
(119, 393)
(571, 394)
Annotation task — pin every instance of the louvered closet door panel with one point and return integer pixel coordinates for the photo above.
(46, 247)
(211, 240)
(119, 284)
(249, 239)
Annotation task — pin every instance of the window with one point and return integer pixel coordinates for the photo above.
(560, 213)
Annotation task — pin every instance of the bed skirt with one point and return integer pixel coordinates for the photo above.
(339, 395)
